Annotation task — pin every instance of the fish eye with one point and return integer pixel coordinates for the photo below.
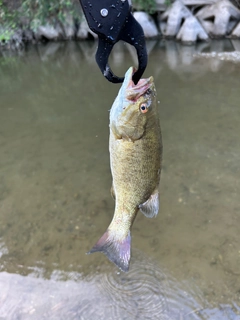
(143, 108)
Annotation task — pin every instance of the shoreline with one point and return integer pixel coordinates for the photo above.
(186, 21)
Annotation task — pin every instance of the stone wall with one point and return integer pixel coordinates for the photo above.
(187, 21)
(192, 20)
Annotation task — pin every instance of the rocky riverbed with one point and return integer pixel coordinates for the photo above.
(187, 21)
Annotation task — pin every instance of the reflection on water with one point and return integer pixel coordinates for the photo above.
(55, 181)
(146, 292)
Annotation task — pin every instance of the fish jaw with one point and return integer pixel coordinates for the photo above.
(134, 92)
(126, 120)
(129, 90)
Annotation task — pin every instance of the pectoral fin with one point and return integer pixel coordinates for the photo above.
(150, 208)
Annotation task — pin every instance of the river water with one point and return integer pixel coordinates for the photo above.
(55, 184)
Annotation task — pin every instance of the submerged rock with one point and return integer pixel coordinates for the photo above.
(173, 17)
(146, 21)
(217, 18)
(191, 31)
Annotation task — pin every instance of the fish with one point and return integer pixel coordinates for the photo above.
(135, 147)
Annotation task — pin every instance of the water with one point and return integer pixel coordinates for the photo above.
(55, 184)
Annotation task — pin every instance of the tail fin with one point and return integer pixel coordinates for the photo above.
(117, 251)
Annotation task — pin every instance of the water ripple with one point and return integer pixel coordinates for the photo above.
(145, 292)
(138, 294)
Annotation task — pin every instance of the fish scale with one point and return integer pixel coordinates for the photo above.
(135, 147)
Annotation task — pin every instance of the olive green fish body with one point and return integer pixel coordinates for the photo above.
(135, 167)
(135, 147)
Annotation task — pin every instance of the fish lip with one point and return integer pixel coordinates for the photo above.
(128, 94)
(133, 92)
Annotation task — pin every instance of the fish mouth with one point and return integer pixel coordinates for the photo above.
(134, 92)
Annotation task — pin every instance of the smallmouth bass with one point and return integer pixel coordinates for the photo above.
(135, 146)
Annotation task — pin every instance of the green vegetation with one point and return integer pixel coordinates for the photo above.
(32, 13)
(42, 11)
(146, 5)
(7, 23)
(168, 2)
(6, 35)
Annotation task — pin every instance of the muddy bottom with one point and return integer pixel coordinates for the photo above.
(55, 181)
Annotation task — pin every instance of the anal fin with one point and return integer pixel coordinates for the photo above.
(150, 208)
